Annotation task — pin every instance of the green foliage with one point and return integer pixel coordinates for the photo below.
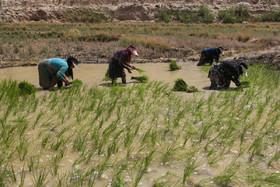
(205, 15)
(165, 15)
(85, 15)
(76, 82)
(235, 15)
(174, 66)
(142, 79)
(26, 88)
(181, 85)
(186, 16)
(140, 70)
(271, 16)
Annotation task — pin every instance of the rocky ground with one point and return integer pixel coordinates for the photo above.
(119, 10)
(270, 57)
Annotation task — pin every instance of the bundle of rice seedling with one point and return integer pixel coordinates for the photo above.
(76, 82)
(174, 66)
(140, 70)
(142, 79)
(181, 85)
(25, 88)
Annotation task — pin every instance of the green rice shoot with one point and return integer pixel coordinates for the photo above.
(76, 82)
(142, 79)
(26, 88)
(181, 85)
(140, 70)
(174, 66)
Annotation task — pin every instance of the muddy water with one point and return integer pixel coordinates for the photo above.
(93, 74)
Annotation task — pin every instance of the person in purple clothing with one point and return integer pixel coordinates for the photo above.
(208, 55)
(119, 62)
(51, 71)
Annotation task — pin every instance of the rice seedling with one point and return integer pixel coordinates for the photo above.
(22, 177)
(190, 168)
(140, 70)
(76, 82)
(22, 149)
(174, 66)
(181, 85)
(110, 127)
(142, 79)
(143, 167)
(40, 177)
(26, 88)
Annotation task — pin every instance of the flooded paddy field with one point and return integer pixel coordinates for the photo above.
(93, 74)
(140, 134)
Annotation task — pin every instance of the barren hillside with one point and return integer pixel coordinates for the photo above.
(141, 10)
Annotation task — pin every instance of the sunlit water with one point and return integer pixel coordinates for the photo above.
(93, 74)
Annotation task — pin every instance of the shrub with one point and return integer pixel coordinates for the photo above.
(186, 16)
(235, 15)
(205, 15)
(181, 85)
(84, 15)
(165, 15)
(273, 16)
(26, 88)
(242, 13)
(174, 66)
(227, 16)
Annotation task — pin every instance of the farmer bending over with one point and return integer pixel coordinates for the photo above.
(221, 74)
(209, 54)
(119, 62)
(51, 71)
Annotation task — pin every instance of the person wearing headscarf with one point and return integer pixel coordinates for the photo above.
(208, 55)
(223, 73)
(119, 62)
(52, 71)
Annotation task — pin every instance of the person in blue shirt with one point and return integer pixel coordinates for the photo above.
(208, 55)
(119, 62)
(51, 71)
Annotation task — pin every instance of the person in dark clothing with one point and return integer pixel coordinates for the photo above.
(221, 74)
(208, 55)
(119, 62)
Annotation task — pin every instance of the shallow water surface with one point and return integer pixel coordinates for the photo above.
(93, 74)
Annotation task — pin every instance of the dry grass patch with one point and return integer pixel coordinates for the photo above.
(243, 37)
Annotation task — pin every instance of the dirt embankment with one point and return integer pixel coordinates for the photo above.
(139, 10)
(270, 57)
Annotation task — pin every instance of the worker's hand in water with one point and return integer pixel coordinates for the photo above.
(129, 70)
(67, 83)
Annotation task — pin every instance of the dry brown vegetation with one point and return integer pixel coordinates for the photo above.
(97, 42)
